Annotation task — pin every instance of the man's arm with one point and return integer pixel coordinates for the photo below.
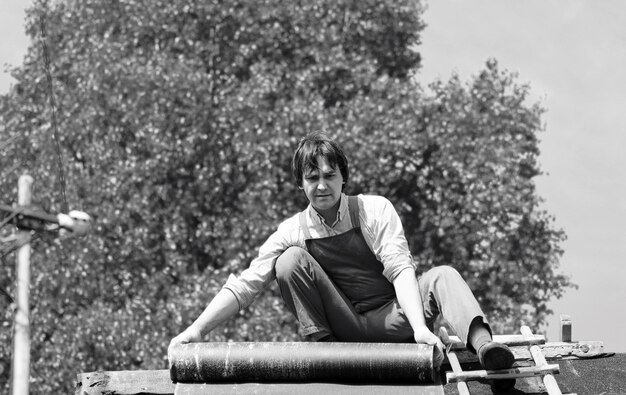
(385, 235)
(249, 283)
(410, 300)
(223, 306)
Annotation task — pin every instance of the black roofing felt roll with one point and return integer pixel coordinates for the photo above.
(301, 361)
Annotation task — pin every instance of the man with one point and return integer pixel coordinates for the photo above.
(344, 270)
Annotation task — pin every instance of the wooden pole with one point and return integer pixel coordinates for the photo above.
(513, 373)
(548, 380)
(21, 338)
(454, 361)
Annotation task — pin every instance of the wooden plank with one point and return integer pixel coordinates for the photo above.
(158, 382)
(125, 382)
(551, 351)
(306, 389)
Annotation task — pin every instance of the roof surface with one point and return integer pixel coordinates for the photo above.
(606, 375)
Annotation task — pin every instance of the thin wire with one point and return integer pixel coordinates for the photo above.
(7, 295)
(53, 108)
(9, 217)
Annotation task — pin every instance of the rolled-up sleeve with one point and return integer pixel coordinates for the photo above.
(253, 280)
(385, 234)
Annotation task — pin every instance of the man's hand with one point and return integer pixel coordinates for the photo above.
(189, 335)
(423, 335)
(223, 306)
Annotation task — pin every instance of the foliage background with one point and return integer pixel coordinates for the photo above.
(177, 121)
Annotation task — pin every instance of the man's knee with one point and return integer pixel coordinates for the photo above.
(290, 261)
(443, 273)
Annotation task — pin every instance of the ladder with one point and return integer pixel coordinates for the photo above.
(541, 368)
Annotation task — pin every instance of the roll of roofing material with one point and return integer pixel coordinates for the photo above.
(302, 362)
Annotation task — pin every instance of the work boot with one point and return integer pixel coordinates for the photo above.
(497, 356)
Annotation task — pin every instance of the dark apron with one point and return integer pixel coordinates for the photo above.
(351, 264)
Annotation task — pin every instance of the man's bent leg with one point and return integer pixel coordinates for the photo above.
(319, 306)
(445, 292)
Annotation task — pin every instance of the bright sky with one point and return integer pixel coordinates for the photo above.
(573, 55)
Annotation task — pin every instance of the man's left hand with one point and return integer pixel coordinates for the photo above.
(423, 335)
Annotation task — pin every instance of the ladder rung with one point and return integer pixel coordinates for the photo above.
(512, 373)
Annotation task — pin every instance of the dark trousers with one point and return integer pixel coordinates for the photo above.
(322, 308)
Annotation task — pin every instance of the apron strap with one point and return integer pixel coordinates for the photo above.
(304, 226)
(353, 208)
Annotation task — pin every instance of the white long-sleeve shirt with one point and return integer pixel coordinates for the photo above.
(380, 226)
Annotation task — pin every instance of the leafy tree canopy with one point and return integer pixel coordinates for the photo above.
(176, 123)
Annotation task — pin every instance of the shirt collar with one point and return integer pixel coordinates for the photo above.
(341, 213)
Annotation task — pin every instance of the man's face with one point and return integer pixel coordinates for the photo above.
(322, 186)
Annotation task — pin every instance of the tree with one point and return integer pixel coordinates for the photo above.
(460, 174)
(177, 121)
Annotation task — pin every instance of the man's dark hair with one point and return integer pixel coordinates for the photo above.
(314, 145)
